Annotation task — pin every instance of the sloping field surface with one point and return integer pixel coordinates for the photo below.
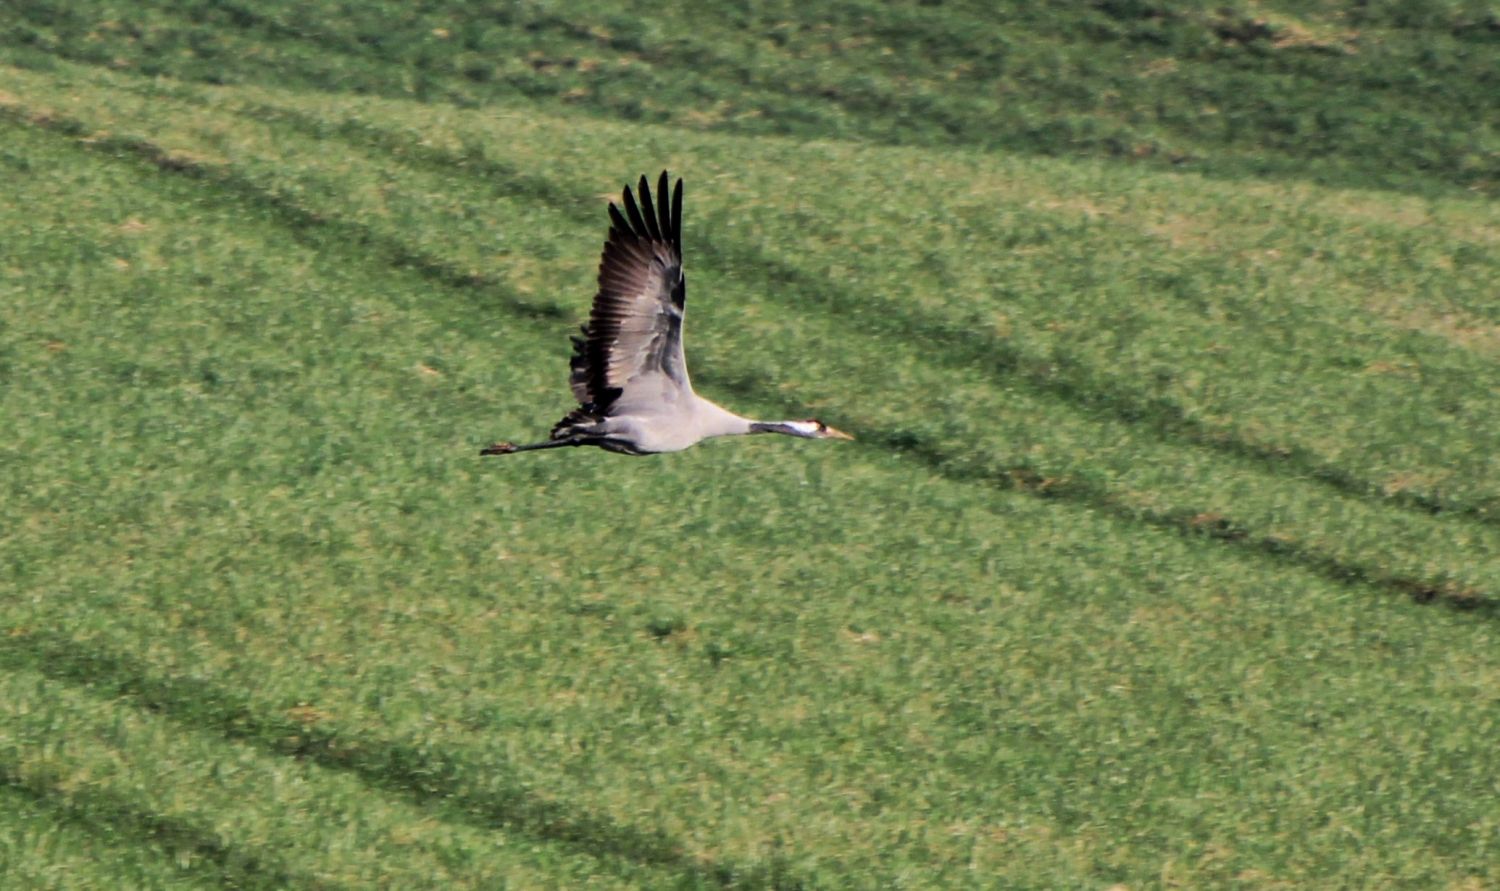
(1168, 552)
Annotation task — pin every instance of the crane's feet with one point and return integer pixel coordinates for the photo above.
(498, 448)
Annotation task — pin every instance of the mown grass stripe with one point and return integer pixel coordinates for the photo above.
(195, 851)
(1059, 376)
(422, 775)
(1002, 78)
(1195, 524)
(978, 351)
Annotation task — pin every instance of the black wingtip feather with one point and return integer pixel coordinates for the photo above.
(675, 211)
(648, 209)
(637, 225)
(664, 208)
(617, 220)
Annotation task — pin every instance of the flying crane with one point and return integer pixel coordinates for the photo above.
(628, 371)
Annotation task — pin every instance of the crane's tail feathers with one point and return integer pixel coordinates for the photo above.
(579, 421)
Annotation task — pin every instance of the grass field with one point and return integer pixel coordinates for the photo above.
(1168, 553)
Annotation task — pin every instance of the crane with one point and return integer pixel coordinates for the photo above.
(628, 371)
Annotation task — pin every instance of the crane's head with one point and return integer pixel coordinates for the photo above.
(812, 428)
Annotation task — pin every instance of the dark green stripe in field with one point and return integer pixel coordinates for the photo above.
(112, 843)
(1097, 403)
(435, 784)
(1129, 579)
(1401, 95)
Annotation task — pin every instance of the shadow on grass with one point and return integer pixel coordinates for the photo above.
(426, 777)
(1188, 523)
(852, 94)
(318, 231)
(197, 851)
(964, 347)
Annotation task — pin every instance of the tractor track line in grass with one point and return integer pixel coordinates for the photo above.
(784, 86)
(1191, 523)
(300, 220)
(435, 784)
(1057, 376)
(1187, 521)
(119, 822)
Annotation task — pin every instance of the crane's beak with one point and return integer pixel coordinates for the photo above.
(831, 433)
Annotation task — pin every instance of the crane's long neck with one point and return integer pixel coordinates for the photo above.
(716, 420)
(788, 428)
(712, 419)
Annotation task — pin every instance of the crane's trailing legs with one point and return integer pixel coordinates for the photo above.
(506, 448)
(604, 442)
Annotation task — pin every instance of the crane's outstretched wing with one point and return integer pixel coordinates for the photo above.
(634, 334)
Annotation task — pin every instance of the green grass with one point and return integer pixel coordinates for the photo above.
(1397, 94)
(1168, 553)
